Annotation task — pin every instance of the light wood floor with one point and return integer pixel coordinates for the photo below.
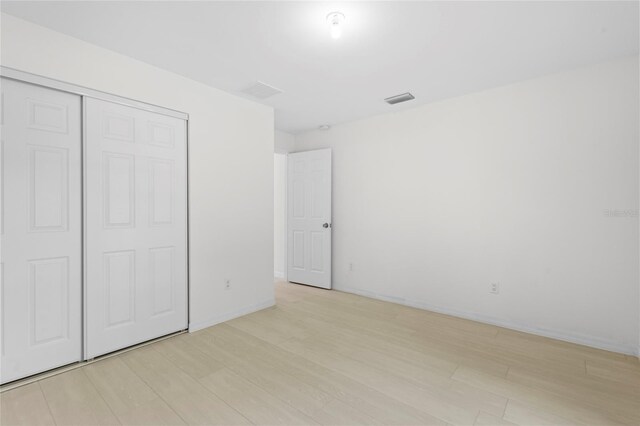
(325, 357)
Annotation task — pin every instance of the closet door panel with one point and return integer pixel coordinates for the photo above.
(136, 273)
(41, 287)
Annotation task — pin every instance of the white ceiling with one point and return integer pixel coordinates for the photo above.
(435, 50)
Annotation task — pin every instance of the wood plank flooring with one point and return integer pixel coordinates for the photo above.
(331, 358)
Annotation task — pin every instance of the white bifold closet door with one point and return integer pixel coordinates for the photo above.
(135, 224)
(41, 321)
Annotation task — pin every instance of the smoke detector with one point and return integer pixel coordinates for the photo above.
(324, 127)
(404, 97)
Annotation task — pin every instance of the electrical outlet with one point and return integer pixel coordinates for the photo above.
(350, 266)
(227, 284)
(494, 288)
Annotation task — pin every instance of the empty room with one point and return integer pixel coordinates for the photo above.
(320, 213)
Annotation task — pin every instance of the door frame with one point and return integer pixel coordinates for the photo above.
(51, 83)
(85, 92)
(285, 156)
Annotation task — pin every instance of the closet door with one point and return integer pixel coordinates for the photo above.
(41, 230)
(136, 274)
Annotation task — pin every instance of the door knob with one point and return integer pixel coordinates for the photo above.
(325, 225)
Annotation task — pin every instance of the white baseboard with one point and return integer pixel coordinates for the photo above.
(591, 341)
(231, 315)
(278, 274)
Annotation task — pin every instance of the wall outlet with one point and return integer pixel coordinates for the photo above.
(227, 284)
(494, 288)
(350, 266)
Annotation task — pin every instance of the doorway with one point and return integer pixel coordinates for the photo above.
(280, 216)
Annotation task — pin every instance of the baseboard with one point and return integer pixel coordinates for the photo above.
(553, 334)
(231, 315)
(278, 274)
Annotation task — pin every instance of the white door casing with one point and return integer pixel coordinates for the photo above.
(136, 258)
(309, 218)
(41, 253)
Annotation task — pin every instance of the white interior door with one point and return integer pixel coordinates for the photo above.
(41, 230)
(136, 270)
(309, 218)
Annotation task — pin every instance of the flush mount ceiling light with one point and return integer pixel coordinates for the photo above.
(335, 20)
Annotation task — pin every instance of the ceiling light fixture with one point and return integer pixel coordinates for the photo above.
(335, 20)
(324, 127)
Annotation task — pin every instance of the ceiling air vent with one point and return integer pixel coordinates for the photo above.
(399, 98)
(261, 90)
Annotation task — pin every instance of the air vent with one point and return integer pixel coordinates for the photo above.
(261, 90)
(399, 98)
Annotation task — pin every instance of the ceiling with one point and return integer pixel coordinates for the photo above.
(435, 50)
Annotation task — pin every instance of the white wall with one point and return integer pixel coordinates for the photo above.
(508, 185)
(279, 214)
(231, 142)
(284, 142)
